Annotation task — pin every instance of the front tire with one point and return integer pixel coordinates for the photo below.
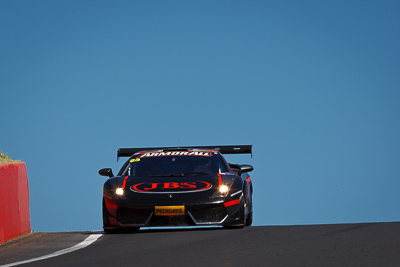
(249, 219)
(242, 214)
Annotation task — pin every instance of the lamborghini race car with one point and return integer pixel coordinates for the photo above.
(182, 186)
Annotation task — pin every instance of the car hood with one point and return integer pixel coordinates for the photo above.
(173, 184)
(181, 184)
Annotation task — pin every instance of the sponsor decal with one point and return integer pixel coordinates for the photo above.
(176, 153)
(171, 187)
(135, 160)
(169, 210)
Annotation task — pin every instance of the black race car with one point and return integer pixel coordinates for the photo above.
(181, 186)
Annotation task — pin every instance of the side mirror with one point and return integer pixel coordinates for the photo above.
(106, 172)
(235, 168)
(246, 168)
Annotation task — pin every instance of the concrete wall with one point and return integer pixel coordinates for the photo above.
(14, 201)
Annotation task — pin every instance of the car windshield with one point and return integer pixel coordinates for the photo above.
(175, 163)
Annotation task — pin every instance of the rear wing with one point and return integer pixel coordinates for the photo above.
(240, 149)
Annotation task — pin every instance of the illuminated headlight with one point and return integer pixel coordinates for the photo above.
(119, 191)
(224, 186)
(223, 189)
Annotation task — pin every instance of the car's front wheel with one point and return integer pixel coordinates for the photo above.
(249, 219)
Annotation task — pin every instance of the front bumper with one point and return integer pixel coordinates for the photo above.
(118, 215)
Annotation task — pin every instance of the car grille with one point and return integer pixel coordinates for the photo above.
(208, 214)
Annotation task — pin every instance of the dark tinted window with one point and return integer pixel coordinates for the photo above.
(174, 163)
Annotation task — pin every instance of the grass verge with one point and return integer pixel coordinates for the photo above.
(4, 158)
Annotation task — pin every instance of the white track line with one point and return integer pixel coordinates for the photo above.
(89, 240)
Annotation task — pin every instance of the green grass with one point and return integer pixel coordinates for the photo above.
(4, 158)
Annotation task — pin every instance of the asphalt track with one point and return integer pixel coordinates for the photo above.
(367, 244)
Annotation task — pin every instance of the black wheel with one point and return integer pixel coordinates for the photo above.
(249, 219)
(242, 214)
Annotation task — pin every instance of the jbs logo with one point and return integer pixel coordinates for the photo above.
(169, 187)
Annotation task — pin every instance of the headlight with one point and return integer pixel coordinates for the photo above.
(223, 189)
(119, 191)
(224, 185)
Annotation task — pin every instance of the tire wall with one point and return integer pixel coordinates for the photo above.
(14, 201)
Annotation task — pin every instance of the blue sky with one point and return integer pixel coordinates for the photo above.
(313, 85)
